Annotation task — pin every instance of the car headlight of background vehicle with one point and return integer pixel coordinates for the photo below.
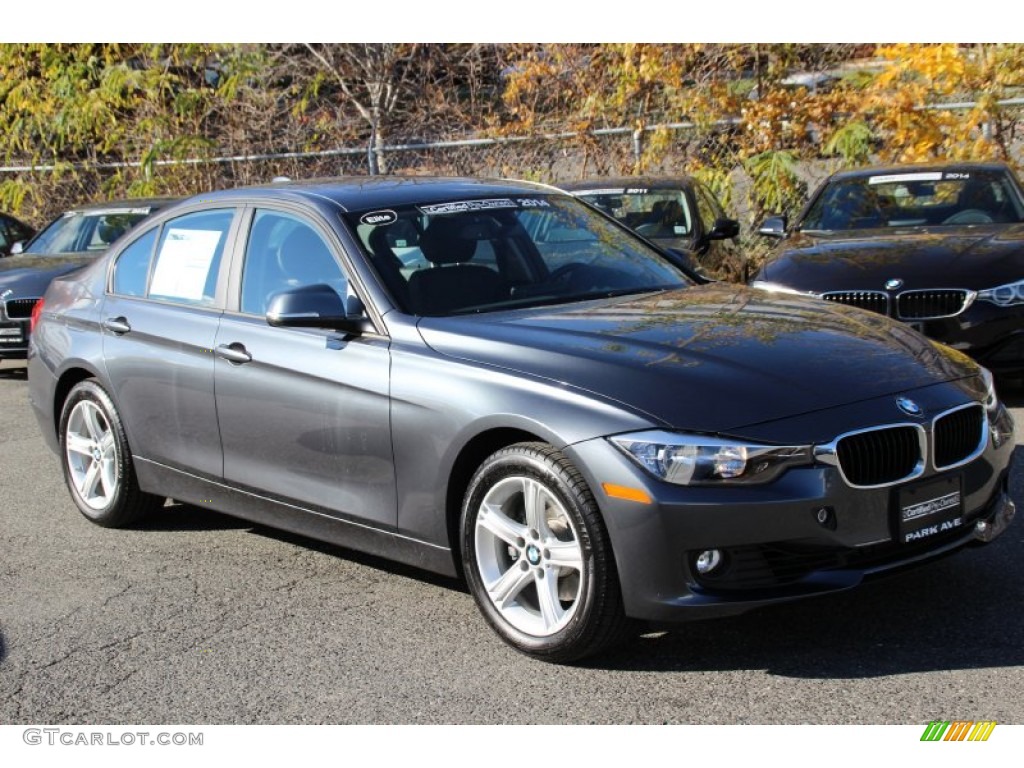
(700, 460)
(1008, 295)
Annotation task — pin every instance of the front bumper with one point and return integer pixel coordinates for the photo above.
(776, 543)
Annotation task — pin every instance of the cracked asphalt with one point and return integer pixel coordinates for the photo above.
(194, 617)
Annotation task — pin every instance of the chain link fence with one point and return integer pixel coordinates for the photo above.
(551, 158)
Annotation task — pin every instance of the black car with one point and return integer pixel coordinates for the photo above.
(552, 408)
(65, 244)
(12, 231)
(679, 214)
(940, 247)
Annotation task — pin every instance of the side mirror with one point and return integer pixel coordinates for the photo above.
(724, 229)
(317, 306)
(18, 247)
(774, 226)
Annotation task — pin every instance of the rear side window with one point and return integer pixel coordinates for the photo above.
(188, 257)
(132, 266)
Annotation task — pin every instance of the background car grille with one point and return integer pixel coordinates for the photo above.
(20, 309)
(922, 305)
(875, 301)
(957, 436)
(880, 456)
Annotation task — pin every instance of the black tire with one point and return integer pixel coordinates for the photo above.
(550, 589)
(92, 440)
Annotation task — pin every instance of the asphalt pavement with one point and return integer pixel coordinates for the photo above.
(195, 617)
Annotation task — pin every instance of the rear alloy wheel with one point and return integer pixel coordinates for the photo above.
(96, 459)
(537, 556)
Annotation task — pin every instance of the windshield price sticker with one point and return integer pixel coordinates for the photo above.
(465, 206)
(894, 178)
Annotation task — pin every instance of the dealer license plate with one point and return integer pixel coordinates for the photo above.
(929, 509)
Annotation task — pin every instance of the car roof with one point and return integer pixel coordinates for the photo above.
(125, 205)
(628, 182)
(966, 167)
(352, 193)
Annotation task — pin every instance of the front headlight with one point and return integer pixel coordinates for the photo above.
(1007, 295)
(699, 460)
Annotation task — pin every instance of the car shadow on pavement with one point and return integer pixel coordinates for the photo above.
(3, 648)
(958, 613)
(8, 373)
(176, 516)
(363, 558)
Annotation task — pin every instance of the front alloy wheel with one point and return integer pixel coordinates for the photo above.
(529, 556)
(537, 556)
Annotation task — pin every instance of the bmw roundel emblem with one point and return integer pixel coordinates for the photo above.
(908, 406)
(893, 283)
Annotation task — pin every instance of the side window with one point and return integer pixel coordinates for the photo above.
(188, 257)
(285, 252)
(107, 228)
(132, 267)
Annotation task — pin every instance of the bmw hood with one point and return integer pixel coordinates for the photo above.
(28, 276)
(711, 358)
(975, 257)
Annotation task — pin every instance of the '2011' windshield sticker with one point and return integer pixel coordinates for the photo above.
(379, 217)
(464, 206)
(893, 178)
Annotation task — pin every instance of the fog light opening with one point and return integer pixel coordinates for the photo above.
(708, 560)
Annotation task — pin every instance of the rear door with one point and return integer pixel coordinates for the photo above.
(159, 324)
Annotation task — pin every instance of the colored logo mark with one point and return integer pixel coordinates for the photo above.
(958, 730)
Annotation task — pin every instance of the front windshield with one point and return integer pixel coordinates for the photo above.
(506, 253)
(916, 199)
(657, 213)
(83, 232)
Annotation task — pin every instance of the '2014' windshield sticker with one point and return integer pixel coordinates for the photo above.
(956, 176)
(463, 206)
(893, 178)
(379, 217)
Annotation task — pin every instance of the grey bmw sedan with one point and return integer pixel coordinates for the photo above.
(493, 380)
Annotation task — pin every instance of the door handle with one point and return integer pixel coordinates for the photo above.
(234, 353)
(117, 325)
